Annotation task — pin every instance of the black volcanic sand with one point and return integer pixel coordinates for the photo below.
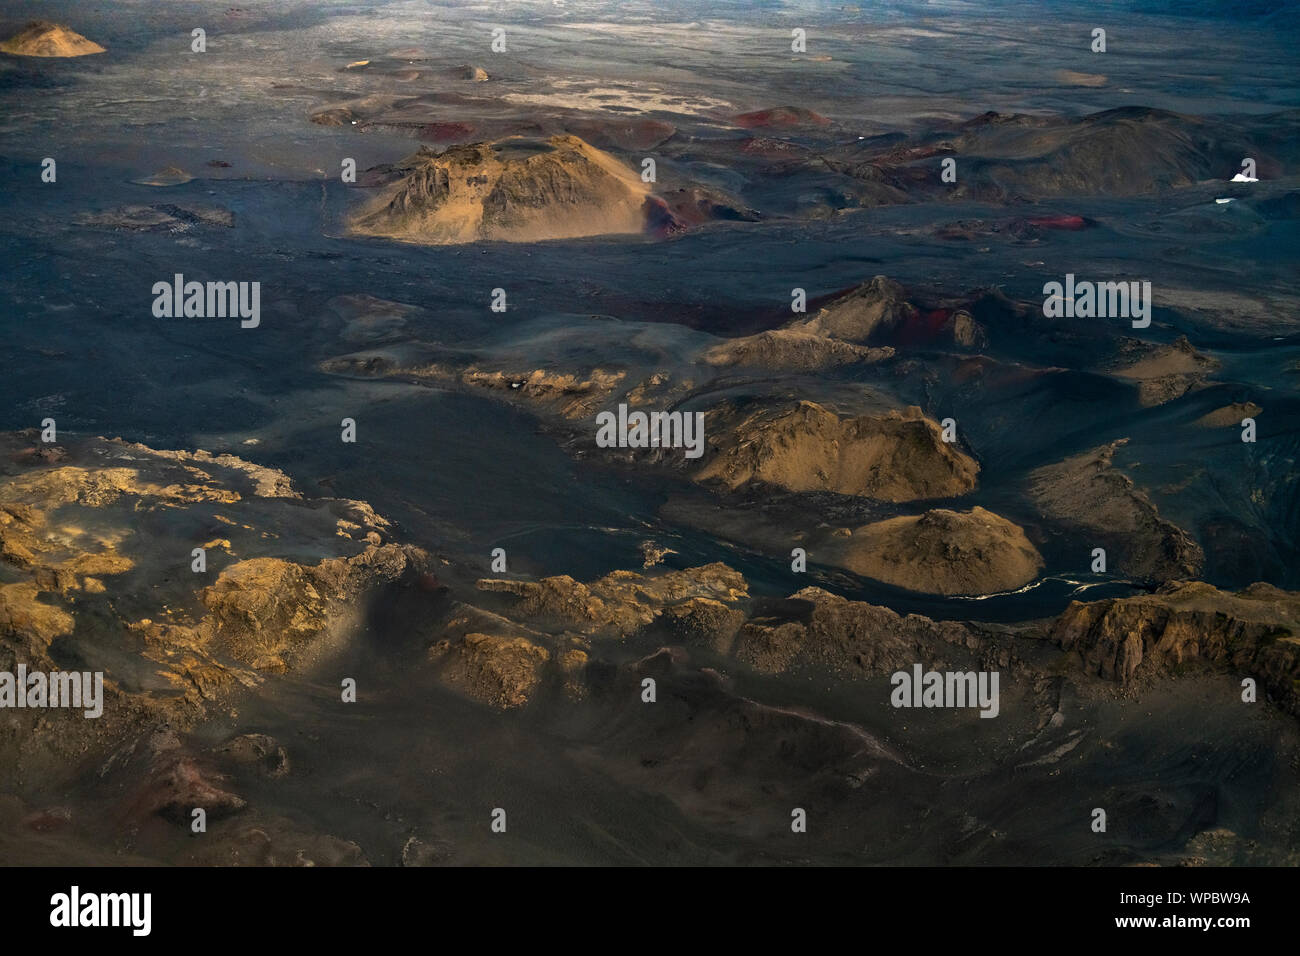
(460, 474)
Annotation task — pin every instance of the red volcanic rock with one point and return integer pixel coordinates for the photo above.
(660, 221)
(923, 327)
(174, 786)
(622, 133)
(677, 210)
(445, 132)
(699, 204)
(781, 117)
(51, 818)
(1059, 222)
(1033, 228)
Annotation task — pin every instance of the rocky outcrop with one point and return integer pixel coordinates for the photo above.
(257, 750)
(499, 671)
(1128, 151)
(1089, 492)
(335, 116)
(1122, 152)
(182, 576)
(541, 632)
(620, 603)
(571, 395)
(1254, 632)
(546, 629)
(568, 395)
(892, 457)
(264, 611)
(703, 621)
(825, 632)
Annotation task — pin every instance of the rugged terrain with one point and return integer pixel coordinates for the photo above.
(363, 574)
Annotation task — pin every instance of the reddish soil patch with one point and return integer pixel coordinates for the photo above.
(781, 117)
(445, 132)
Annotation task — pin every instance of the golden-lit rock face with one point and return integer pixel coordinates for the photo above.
(99, 572)
(899, 456)
(1254, 631)
(500, 671)
(42, 38)
(529, 633)
(501, 191)
(618, 604)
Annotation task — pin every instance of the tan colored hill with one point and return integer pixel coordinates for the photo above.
(876, 312)
(169, 176)
(874, 308)
(790, 349)
(942, 552)
(42, 38)
(805, 447)
(1087, 491)
(1164, 372)
(1229, 415)
(835, 336)
(512, 191)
